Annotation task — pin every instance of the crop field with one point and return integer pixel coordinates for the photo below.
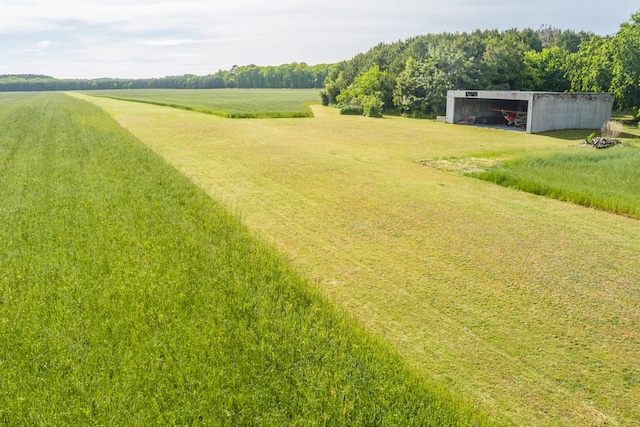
(128, 296)
(525, 305)
(232, 103)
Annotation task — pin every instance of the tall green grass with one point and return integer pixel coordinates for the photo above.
(229, 103)
(608, 180)
(129, 297)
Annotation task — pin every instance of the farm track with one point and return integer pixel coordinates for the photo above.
(524, 304)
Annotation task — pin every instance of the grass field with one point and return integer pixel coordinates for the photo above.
(130, 297)
(603, 179)
(230, 103)
(524, 304)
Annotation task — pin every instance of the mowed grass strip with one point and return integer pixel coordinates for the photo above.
(129, 297)
(525, 304)
(230, 103)
(603, 179)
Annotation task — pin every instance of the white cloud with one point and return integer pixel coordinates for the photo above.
(186, 41)
(171, 42)
(39, 47)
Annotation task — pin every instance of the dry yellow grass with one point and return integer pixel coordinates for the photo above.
(526, 305)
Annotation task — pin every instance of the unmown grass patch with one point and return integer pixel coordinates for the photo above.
(129, 297)
(608, 180)
(229, 103)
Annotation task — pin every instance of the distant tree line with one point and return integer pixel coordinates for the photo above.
(412, 76)
(286, 76)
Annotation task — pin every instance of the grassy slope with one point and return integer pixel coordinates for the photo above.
(526, 304)
(232, 103)
(129, 297)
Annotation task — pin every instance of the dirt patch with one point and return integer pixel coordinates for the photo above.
(462, 165)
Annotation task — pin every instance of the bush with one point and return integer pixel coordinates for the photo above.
(324, 98)
(372, 106)
(352, 109)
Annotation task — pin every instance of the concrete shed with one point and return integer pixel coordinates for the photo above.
(533, 112)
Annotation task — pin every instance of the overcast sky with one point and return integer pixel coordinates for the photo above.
(157, 38)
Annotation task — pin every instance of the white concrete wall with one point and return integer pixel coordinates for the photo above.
(556, 111)
(450, 106)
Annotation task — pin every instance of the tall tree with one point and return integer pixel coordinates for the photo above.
(546, 70)
(422, 87)
(334, 83)
(503, 61)
(590, 69)
(625, 82)
(410, 90)
(366, 91)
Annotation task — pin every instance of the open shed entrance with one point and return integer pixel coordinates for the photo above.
(490, 112)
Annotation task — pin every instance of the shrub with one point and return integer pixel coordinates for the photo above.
(352, 109)
(324, 98)
(372, 106)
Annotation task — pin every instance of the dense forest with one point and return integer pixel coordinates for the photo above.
(412, 76)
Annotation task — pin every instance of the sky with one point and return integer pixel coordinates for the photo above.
(131, 39)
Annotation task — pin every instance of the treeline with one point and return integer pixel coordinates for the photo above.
(286, 76)
(412, 76)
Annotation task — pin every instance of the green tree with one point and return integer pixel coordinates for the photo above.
(446, 68)
(625, 58)
(410, 90)
(368, 87)
(546, 70)
(570, 40)
(590, 69)
(422, 87)
(304, 75)
(503, 62)
(332, 88)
